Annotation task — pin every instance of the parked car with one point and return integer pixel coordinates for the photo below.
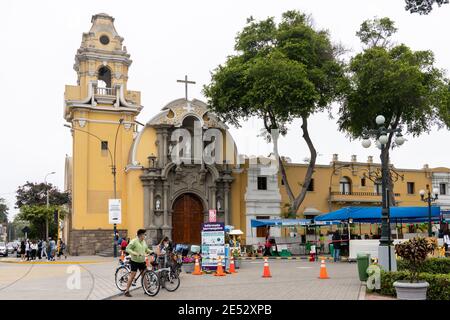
(3, 249)
(10, 247)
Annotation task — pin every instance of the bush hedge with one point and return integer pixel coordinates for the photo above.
(439, 288)
(430, 265)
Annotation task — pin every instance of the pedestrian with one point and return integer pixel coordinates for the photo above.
(27, 249)
(50, 249)
(39, 249)
(33, 248)
(446, 240)
(22, 250)
(322, 243)
(62, 248)
(267, 246)
(44, 249)
(337, 245)
(123, 245)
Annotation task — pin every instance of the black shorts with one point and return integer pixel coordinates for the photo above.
(137, 265)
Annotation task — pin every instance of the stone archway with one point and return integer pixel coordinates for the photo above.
(187, 219)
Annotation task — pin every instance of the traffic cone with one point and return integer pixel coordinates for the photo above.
(197, 270)
(232, 270)
(219, 271)
(266, 271)
(122, 256)
(323, 271)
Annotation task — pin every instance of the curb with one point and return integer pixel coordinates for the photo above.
(55, 262)
(362, 291)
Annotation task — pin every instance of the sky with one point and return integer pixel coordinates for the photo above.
(167, 40)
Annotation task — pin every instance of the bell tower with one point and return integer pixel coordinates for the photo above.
(101, 112)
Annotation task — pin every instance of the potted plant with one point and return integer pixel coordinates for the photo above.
(188, 264)
(414, 252)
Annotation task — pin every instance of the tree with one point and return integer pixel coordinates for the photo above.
(280, 73)
(3, 211)
(401, 84)
(422, 6)
(36, 194)
(32, 202)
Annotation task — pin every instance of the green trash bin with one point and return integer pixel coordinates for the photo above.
(332, 249)
(363, 260)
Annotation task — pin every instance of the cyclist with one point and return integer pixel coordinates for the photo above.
(137, 249)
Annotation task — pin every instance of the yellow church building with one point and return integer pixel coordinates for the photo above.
(171, 170)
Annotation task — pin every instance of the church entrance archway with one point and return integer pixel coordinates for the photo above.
(187, 219)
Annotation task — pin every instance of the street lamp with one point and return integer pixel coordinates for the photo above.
(113, 170)
(382, 138)
(429, 199)
(48, 204)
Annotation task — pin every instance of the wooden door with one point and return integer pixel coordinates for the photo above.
(187, 219)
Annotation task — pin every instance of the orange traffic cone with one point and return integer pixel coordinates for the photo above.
(197, 270)
(323, 271)
(219, 271)
(266, 271)
(122, 256)
(232, 269)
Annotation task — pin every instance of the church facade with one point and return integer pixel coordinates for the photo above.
(170, 171)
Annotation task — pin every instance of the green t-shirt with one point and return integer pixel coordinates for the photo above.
(137, 250)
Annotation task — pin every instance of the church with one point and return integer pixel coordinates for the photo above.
(171, 170)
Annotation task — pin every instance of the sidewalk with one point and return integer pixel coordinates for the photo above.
(58, 280)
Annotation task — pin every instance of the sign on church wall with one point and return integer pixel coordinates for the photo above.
(115, 211)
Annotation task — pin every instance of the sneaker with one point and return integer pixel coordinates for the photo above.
(127, 294)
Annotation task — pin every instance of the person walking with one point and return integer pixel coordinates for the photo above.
(27, 249)
(137, 249)
(39, 249)
(62, 248)
(22, 250)
(44, 250)
(33, 247)
(337, 246)
(446, 240)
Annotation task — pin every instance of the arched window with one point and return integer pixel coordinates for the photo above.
(104, 77)
(345, 185)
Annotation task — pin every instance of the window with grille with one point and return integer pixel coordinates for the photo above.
(262, 183)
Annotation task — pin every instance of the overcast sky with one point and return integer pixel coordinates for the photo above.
(166, 40)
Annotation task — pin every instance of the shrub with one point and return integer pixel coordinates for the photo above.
(430, 265)
(414, 252)
(439, 288)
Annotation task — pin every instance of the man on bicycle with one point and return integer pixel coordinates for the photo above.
(137, 248)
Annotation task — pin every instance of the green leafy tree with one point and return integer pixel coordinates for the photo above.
(32, 202)
(3, 211)
(36, 194)
(401, 84)
(36, 215)
(422, 6)
(280, 72)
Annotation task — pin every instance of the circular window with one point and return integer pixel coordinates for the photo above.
(104, 40)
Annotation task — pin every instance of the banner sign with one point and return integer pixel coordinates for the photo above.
(213, 244)
(212, 215)
(115, 211)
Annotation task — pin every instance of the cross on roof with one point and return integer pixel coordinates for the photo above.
(186, 82)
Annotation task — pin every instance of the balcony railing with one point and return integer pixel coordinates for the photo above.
(360, 194)
(105, 91)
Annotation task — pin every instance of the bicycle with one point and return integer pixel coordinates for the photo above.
(149, 280)
(168, 275)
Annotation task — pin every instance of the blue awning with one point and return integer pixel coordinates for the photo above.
(279, 222)
(373, 214)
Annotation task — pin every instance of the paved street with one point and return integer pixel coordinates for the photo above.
(49, 280)
(290, 280)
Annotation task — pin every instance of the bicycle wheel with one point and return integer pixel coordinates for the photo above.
(150, 283)
(170, 280)
(122, 276)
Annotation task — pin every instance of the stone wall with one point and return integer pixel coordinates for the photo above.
(91, 242)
